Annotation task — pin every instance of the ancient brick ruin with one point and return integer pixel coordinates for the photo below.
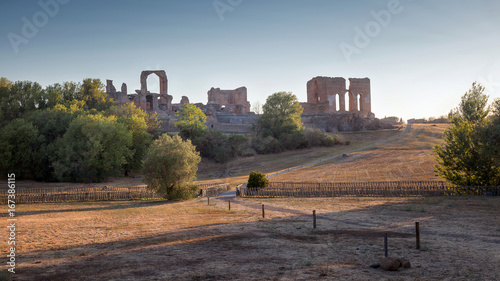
(328, 95)
(231, 101)
(330, 105)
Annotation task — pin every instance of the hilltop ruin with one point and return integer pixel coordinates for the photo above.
(229, 110)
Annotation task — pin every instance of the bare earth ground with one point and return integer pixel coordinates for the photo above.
(194, 241)
(158, 240)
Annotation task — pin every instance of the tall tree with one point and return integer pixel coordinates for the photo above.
(169, 167)
(134, 120)
(4, 82)
(191, 121)
(465, 156)
(94, 95)
(93, 148)
(282, 113)
(21, 98)
(20, 144)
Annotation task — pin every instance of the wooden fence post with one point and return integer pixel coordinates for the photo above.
(208, 200)
(263, 216)
(385, 244)
(314, 219)
(229, 205)
(417, 230)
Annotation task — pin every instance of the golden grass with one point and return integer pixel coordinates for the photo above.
(405, 158)
(240, 168)
(193, 241)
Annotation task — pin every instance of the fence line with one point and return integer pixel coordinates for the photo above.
(74, 194)
(213, 189)
(368, 189)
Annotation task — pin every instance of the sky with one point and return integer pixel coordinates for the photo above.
(420, 56)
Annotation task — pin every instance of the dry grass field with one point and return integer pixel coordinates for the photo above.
(405, 158)
(159, 240)
(195, 241)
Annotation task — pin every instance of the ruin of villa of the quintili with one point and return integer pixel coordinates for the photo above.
(330, 106)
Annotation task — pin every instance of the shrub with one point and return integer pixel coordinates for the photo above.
(213, 145)
(238, 144)
(266, 145)
(257, 179)
(295, 140)
(320, 138)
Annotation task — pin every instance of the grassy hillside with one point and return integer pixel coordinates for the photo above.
(405, 158)
(237, 171)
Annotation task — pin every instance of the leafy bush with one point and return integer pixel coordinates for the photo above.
(266, 145)
(257, 179)
(213, 145)
(295, 140)
(238, 144)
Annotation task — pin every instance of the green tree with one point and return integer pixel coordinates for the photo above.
(20, 144)
(491, 138)
(191, 121)
(52, 124)
(282, 113)
(93, 148)
(4, 82)
(94, 95)
(465, 158)
(169, 166)
(134, 120)
(22, 97)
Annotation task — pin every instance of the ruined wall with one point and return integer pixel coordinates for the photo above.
(120, 97)
(230, 101)
(323, 90)
(323, 94)
(359, 96)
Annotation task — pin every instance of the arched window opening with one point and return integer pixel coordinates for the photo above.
(153, 82)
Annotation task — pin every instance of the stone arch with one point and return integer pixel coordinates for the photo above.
(164, 100)
(163, 81)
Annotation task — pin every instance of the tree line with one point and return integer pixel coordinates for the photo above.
(70, 132)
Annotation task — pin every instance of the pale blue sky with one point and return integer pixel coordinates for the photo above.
(420, 63)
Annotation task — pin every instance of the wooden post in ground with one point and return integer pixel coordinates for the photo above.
(385, 244)
(208, 200)
(263, 214)
(417, 230)
(314, 219)
(229, 205)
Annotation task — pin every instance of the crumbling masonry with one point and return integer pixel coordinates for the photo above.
(229, 110)
(328, 95)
